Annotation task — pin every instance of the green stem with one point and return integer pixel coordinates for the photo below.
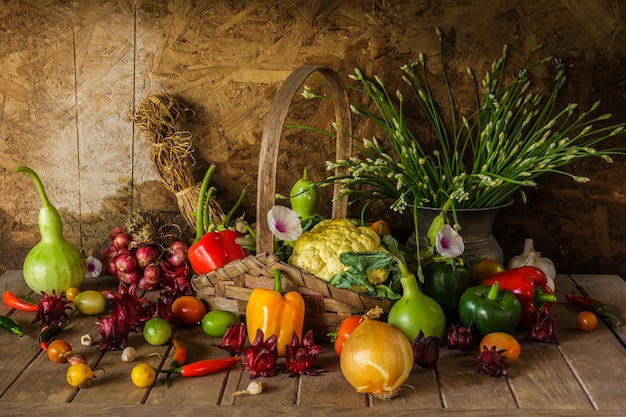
(231, 212)
(42, 193)
(493, 293)
(201, 198)
(278, 286)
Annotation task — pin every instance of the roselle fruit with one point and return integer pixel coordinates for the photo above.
(234, 339)
(260, 357)
(491, 362)
(460, 337)
(426, 350)
(51, 308)
(301, 356)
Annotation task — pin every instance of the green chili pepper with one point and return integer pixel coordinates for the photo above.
(490, 309)
(445, 283)
(11, 325)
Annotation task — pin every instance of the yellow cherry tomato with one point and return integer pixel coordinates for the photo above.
(71, 293)
(143, 375)
(79, 375)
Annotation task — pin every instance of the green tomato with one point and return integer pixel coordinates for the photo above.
(90, 302)
(157, 331)
(216, 322)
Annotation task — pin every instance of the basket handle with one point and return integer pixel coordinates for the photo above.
(268, 159)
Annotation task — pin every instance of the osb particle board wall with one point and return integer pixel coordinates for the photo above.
(73, 72)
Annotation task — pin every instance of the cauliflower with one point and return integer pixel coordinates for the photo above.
(317, 250)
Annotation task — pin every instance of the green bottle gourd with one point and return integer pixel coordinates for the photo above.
(54, 263)
(415, 311)
(304, 196)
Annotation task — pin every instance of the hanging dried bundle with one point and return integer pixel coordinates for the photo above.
(161, 118)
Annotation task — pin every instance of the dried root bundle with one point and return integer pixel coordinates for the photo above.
(161, 118)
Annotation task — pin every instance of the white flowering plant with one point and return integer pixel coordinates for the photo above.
(480, 160)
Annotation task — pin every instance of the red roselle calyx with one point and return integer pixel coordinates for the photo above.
(260, 357)
(541, 328)
(51, 308)
(491, 362)
(460, 337)
(426, 350)
(301, 357)
(234, 339)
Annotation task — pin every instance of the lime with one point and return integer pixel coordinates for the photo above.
(157, 331)
(216, 322)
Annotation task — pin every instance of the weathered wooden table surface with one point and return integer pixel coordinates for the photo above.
(584, 375)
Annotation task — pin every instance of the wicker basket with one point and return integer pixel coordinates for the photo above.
(229, 288)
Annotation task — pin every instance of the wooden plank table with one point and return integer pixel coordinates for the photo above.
(585, 374)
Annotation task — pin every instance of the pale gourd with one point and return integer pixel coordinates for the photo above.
(53, 264)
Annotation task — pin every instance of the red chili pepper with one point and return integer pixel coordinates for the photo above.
(213, 249)
(530, 285)
(180, 353)
(49, 333)
(11, 300)
(590, 304)
(202, 368)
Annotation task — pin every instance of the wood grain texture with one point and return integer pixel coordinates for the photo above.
(74, 72)
(582, 375)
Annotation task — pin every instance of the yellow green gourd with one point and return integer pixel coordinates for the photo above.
(54, 263)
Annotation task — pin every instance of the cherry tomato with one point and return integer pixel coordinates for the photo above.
(216, 322)
(59, 351)
(188, 309)
(502, 341)
(587, 321)
(142, 375)
(484, 269)
(90, 302)
(345, 329)
(71, 293)
(157, 331)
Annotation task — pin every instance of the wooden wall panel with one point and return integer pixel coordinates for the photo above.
(73, 72)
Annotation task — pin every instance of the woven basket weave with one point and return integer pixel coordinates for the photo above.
(229, 288)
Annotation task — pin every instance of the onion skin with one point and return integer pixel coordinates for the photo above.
(375, 346)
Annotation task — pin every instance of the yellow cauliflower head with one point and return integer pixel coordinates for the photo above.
(317, 250)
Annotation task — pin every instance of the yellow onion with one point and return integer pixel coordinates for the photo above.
(376, 359)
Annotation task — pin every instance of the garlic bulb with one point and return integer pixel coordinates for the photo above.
(530, 257)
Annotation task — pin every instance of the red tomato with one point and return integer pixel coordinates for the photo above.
(502, 341)
(345, 329)
(59, 351)
(587, 321)
(188, 309)
(484, 269)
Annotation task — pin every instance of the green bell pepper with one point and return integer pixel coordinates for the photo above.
(445, 283)
(490, 309)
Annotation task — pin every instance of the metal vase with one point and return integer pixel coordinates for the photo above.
(476, 230)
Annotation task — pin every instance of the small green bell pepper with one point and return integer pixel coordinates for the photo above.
(445, 283)
(490, 309)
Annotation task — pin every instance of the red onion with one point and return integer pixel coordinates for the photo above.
(152, 273)
(122, 240)
(178, 253)
(116, 231)
(126, 263)
(129, 278)
(146, 255)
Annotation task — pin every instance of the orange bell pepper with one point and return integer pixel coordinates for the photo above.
(275, 314)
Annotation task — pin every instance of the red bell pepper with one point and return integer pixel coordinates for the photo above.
(530, 286)
(215, 246)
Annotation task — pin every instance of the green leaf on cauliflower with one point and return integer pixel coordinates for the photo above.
(363, 276)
